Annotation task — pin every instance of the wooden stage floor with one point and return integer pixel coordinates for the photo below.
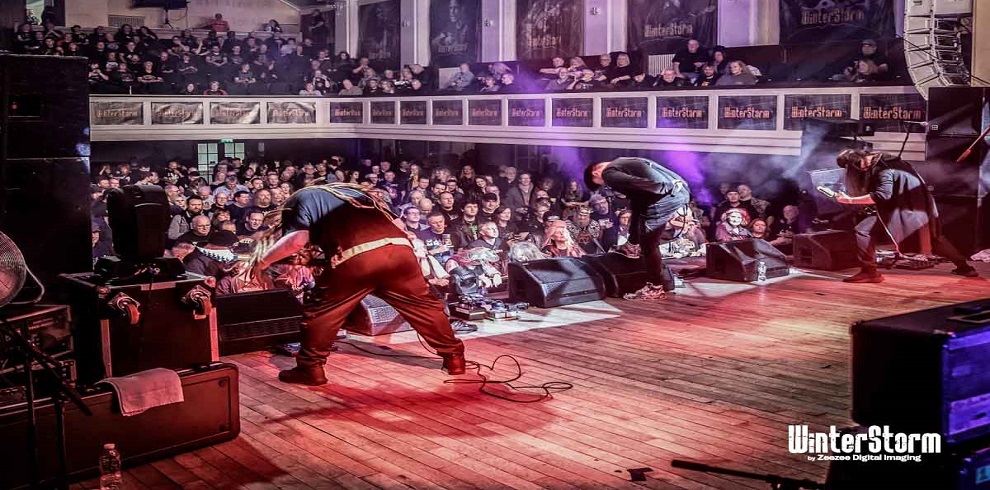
(713, 374)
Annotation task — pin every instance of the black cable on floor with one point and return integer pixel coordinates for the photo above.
(546, 390)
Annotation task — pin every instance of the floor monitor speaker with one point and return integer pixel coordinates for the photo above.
(830, 250)
(376, 317)
(740, 260)
(620, 273)
(554, 282)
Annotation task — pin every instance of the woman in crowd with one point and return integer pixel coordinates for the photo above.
(758, 229)
(574, 196)
(466, 177)
(559, 242)
(739, 74)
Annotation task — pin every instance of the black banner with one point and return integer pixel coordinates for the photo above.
(656, 26)
(803, 21)
(235, 112)
(448, 112)
(176, 113)
(548, 28)
(575, 113)
(485, 112)
(347, 112)
(455, 32)
(625, 112)
(748, 112)
(797, 108)
(378, 32)
(292, 113)
(888, 112)
(116, 113)
(527, 112)
(682, 112)
(383, 112)
(412, 112)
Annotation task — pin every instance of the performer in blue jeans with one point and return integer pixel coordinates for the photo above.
(659, 199)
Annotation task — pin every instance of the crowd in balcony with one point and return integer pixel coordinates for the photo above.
(452, 209)
(137, 61)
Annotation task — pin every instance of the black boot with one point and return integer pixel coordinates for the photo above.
(965, 270)
(312, 375)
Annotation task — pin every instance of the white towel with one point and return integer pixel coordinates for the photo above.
(147, 389)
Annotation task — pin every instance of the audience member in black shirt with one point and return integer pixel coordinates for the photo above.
(689, 61)
(669, 78)
(709, 76)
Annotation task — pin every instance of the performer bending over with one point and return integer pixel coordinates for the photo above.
(906, 212)
(372, 256)
(657, 197)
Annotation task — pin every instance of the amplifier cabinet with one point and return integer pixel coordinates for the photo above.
(209, 415)
(927, 371)
(163, 329)
(255, 320)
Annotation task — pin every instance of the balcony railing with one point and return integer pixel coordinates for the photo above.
(765, 121)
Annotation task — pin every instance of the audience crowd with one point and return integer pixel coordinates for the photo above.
(131, 61)
(451, 212)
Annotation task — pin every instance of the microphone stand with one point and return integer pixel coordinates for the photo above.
(776, 482)
(33, 355)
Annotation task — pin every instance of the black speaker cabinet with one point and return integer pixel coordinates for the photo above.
(927, 371)
(955, 121)
(44, 162)
(740, 260)
(209, 415)
(46, 113)
(554, 282)
(139, 218)
(959, 197)
(255, 320)
(830, 250)
(127, 328)
(375, 317)
(620, 273)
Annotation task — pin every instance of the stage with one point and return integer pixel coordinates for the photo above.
(714, 373)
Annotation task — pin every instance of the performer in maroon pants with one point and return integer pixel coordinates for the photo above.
(373, 256)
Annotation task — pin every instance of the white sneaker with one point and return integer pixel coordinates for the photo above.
(649, 292)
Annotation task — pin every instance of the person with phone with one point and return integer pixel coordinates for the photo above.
(656, 195)
(906, 212)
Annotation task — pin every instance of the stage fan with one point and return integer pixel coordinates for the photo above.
(13, 273)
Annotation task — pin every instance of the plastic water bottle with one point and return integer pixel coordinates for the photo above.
(761, 271)
(110, 476)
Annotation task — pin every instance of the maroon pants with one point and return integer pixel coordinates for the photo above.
(393, 274)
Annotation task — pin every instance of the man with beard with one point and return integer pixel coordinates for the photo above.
(371, 254)
(465, 228)
(655, 194)
(906, 212)
(489, 203)
(263, 201)
(182, 222)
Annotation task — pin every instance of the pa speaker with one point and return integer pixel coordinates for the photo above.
(740, 260)
(554, 282)
(139, 220)
(826, 250)
(620, 273)
(376, 317)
